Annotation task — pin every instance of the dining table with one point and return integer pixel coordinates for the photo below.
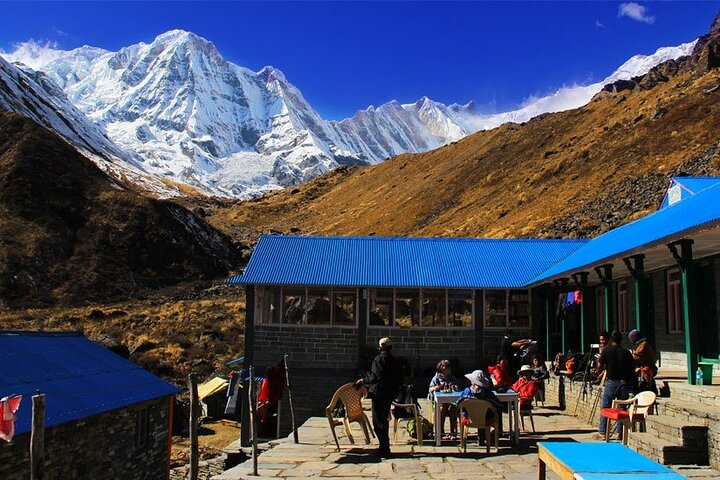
(510, 398)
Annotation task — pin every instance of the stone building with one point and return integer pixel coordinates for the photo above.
(105, 417)
(326, 301)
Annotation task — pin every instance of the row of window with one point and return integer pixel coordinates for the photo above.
(674, 304)
(392, 307)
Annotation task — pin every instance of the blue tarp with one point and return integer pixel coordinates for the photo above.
(78, 377)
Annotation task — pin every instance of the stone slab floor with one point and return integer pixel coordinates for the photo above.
(316, 455)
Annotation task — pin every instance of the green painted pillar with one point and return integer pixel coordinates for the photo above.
(636, 266)
(582, 320)
(684, 259)
(562, 321)
(604, 273)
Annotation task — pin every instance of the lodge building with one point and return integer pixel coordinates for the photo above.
(326, 300)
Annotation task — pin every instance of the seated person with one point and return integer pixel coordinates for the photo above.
(525, 387)
(444, 381)
(540, 374)
(501, 374)
(481, 388)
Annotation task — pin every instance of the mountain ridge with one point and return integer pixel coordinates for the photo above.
(191, 116)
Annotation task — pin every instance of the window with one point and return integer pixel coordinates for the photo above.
(495, 308)
(142, 421)
(318, 306)
(600, 307)
(293, 305)
(519, 309)
(344, 307)
(460, 308)
(622, 307)
(674, 301)
(273, 305)
(407, 307)
(381, 306)
(434, 304)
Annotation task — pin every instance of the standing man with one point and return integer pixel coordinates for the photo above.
(383, 383)
(644, 354)
(620, 372)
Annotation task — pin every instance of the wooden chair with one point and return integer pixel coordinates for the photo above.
(477, 411)
(639, 408)
(416, 415)
(351, 396)
(526, 412)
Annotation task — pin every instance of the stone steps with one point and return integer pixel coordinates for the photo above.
(691, 412)
(672, 429)
(666, 452)
(708, 395)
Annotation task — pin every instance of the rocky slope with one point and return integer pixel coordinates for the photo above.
(190, 116)
(574, 173)
(71, 234)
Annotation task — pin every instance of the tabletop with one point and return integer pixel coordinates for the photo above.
(587, 459)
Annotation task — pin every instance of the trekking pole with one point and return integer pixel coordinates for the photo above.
(290, 399)
(597, 397)
(584, 390)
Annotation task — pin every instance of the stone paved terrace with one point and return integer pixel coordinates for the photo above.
(316, 456)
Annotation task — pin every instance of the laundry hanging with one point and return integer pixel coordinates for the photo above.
(8, 407)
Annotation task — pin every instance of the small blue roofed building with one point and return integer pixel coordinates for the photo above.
(326, 301)
(105, 417)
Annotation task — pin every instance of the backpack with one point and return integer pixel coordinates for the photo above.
(405, 397)
(427, 428)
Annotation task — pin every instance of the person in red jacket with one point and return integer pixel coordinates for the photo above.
(525, 386)
(501, 374)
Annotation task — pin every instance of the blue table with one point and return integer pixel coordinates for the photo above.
(595, 461)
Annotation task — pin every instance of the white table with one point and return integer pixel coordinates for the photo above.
(513, 409)
(440, 398)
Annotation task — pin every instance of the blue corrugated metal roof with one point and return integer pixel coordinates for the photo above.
(401, 262)
(694, 213)
(78, 377)
(686, 187)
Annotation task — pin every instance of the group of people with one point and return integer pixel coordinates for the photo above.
(386, 377)
(626, 372)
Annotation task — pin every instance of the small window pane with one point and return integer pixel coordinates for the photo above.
(495, 308)
(344, 304)
(460, 308)
(519, 308)
(407, 307)
(293, 305)
(318, 307)
(381, 307)
(433, 310)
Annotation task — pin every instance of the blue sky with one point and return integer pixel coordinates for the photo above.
(346, 56)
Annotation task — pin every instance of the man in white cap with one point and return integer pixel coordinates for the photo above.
(383, 382)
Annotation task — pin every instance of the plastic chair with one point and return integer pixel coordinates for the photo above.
(351, 396)
(639, 408)
(415, 414)
(477, 411)
(526, 411)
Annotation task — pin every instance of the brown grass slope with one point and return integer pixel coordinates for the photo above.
(69, 234)
(575, 173)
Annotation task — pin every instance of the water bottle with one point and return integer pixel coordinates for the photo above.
(699, 376)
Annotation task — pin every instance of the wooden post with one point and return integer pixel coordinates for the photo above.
(252, 402)
(37, 438)
(194, 410)
(290, 399)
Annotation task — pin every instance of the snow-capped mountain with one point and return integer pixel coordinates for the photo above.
(188, 115)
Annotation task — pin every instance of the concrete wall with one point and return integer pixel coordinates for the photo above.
(99, 447)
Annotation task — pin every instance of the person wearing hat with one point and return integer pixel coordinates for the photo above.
(481, 387)
(383, 382)
(644, 353)
(525, 387)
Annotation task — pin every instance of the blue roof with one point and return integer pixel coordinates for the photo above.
(78, 377)
(401, 262)
(686, 187)
(692, 215)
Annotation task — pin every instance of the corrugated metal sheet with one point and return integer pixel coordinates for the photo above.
(681, 188)
(401, 262)
(697, 212)
(78, 377)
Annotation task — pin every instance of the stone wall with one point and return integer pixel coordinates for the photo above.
(206, 469)
(98, 447)
(307, 346)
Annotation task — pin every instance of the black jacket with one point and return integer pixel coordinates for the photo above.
(385, 377)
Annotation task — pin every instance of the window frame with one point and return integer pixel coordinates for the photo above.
(508, 293)
(675, 320)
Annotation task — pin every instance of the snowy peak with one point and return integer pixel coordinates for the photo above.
(182, 112)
